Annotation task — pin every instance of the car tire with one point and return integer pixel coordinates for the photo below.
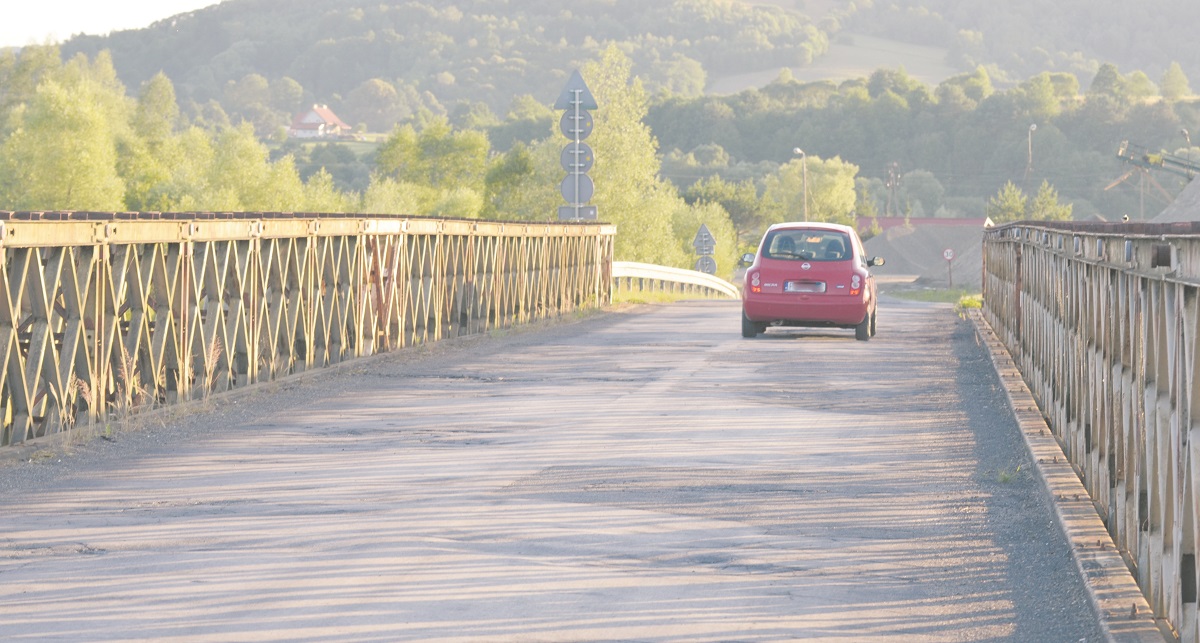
(862, 332)
(873, 312)
(750, 329)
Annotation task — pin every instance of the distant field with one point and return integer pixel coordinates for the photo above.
(815, 9)
(851, 56)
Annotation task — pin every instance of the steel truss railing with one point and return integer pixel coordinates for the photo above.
(1103, 320)
(102, 314)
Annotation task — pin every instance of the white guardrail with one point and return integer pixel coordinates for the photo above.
(629, 275)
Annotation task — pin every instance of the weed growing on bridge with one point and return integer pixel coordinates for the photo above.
(212, 357)
(968, 302)
(648, 297)
(66, 415)
(933, 295)
(1005, 477)
(131, 390)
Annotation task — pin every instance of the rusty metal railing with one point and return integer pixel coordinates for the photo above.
(1103, 320)
(106, 313)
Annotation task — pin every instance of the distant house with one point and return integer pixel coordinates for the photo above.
(318, 122)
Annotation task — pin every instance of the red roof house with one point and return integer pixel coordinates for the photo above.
(318, 122)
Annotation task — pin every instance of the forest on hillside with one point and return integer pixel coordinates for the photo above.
(197, 124)
(1016, 39)
(495, 65)
(951, 147)
(380, 63)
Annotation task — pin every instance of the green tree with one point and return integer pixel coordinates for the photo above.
(61, 154)
(1008, 204)
(1066, 86)
(1174, 83)
(146, 150)
(96, 81)
(250, 100)
(1138, 86)
(831, 193)
(242, 178)
(681, 75)
(438, 156)
(1037, 99)
(457, 203)
(921, 186)
(686, 222)
(388, 196)
(896, 81)
(476, 116)
(505, 179)
(740, 200)
(22, 71)
(286, 95)
(157, 112)
(866, 208)
(185, 160)
(523, 184)
(252, 90)
(1108, 82)
(629, 192)
(1045, 205)
(376, 103)
(978, 85)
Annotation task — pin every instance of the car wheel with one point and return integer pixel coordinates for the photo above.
(749, 328)
(862, 332)
(873, 312)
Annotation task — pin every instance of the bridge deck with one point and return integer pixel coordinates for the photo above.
(645, 474)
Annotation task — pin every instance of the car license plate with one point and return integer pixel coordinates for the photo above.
(804, 286)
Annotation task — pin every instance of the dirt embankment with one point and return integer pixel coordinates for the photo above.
(920, 251)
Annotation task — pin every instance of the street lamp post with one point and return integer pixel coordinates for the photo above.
(1029, 162)
(804, 172)
(1187, 136)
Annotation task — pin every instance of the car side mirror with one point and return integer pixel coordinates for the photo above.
(747, 259)
(876, 261)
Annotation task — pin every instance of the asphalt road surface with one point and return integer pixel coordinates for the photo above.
(641, 475)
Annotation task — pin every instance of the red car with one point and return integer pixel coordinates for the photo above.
(810, 274)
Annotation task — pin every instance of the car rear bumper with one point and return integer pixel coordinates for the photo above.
(805, 309)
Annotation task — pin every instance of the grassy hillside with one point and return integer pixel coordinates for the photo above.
(850, 56)
(1021, 38)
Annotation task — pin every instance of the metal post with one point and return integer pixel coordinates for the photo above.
(804, 173)
(1029, 162)
(578, 140)
(1187, 136)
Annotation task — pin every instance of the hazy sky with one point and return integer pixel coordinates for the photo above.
(32, 21)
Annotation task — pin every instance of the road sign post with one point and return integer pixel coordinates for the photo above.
(948, 255)
(577, 158)
(705, 245)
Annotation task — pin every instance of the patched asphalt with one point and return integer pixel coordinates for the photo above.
(644, 475)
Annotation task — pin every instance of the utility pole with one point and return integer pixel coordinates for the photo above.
(804, 172)
(893, 186)
(1029, 162)
(1187, 136)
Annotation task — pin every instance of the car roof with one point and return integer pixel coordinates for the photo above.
(811, 225)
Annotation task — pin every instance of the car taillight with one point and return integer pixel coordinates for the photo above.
(855, 285)
(755, 283)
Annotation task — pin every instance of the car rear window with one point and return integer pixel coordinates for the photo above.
(807, 245)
